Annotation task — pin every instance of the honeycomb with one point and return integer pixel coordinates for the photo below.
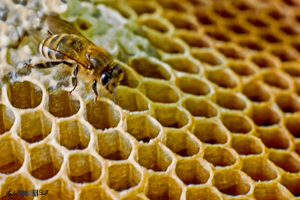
(208, 109)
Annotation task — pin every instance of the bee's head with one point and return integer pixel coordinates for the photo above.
(112, 78)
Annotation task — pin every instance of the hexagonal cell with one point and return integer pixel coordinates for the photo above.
(242, 68)
(93, 193)
(259, 168)
(285, 54)
(123, 176)
(222, 78)
(145, 8)
(131, 77)
(203, 193)
(24, 95)
(291, 2)
(73, 135)
(35, 126)
(161, 186)
(218, 35)
(130, 99)
(285, 160)
(257, 22)
(153, 157)
(242, 5)
(223, 12)
(232, 182)
(173, 5)
(183, 64)
(252, 44)
(268, 37)
(238, 29)
(263, 61)
(57, 189)
(102, 115)
(60, 104)
(149, 68)
(288, 103)
(274, 138)
(256, 92)
(236, 123)
(199, 107)
(246, 144)
(210, 132)
(7, 119)
(14, 183)
(171, 116)
(229, 100)
(276, 14)
(219, 156)
(161, 92)
(113, 145)
(231, 52)
(45, 161)
(292, 69)
(83, 168)
(155, 24)
(194, 39)
(142, 127)
(291, 182)
(271, 191)
(193, 85)
(289, 30)
(207, 57)
(264, 116)
(276, 80)
(203, 17)
(182, 21)
(11, 155)
(192, 172)
(296, 44)
(292, 123)
(181, 143)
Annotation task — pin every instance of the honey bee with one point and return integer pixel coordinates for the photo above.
(66, 45)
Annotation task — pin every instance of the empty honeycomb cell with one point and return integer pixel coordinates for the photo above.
(182, 22)
(246, 145)
(229, 100)
(288, 103)
(199, 107)
(102, 115)
(131, 77)
(223, 12)
(292, 183)
(242, 5)
(57, 189)
(24, 94)
(194, 39)
(264, 116)
(149, 68)
(171, 116)
(73, 135)
(210, 132)
(161, 186)
(83, 168)
(14, 183)
(173, 5)
(192, 172)
(219, 156)
(256, 92)
(296, 45)
(285, 160)
(242, 68)
(238, 29)
(285, 54)
(271, 191)
(251, 44)
(218, 35)
(232, 182)
(291, 2)
(236, 123)
(276, 80)
(93, 193)
(276, 14)
(193, 85)
(183, 64)
(204, 18)
(155, 24)
(153, 157)
(113, 145)
(143, 8)
(35, 126)
(268, 37)
(259, 168)
(203, 193)
(292, 123)
(292, 70)
(181, 143)
(11, 155)
(7, 119)
(160, 92)
(207, 57)
(60, 104)
(222, 78)
(45, 161)
(263, 61)
(232, 52)
(142, 127)
(289, 30)
(255, 21)
(123, 176)
(131, 100)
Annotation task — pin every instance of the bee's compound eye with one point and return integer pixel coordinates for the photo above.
(104, 79)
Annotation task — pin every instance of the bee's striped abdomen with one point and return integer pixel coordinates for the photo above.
(47, 47)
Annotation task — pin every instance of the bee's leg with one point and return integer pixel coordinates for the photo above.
(74, 78)
(47, 64)
(95, 89)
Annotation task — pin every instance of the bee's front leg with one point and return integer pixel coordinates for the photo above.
(95, 90)
(74, 78)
